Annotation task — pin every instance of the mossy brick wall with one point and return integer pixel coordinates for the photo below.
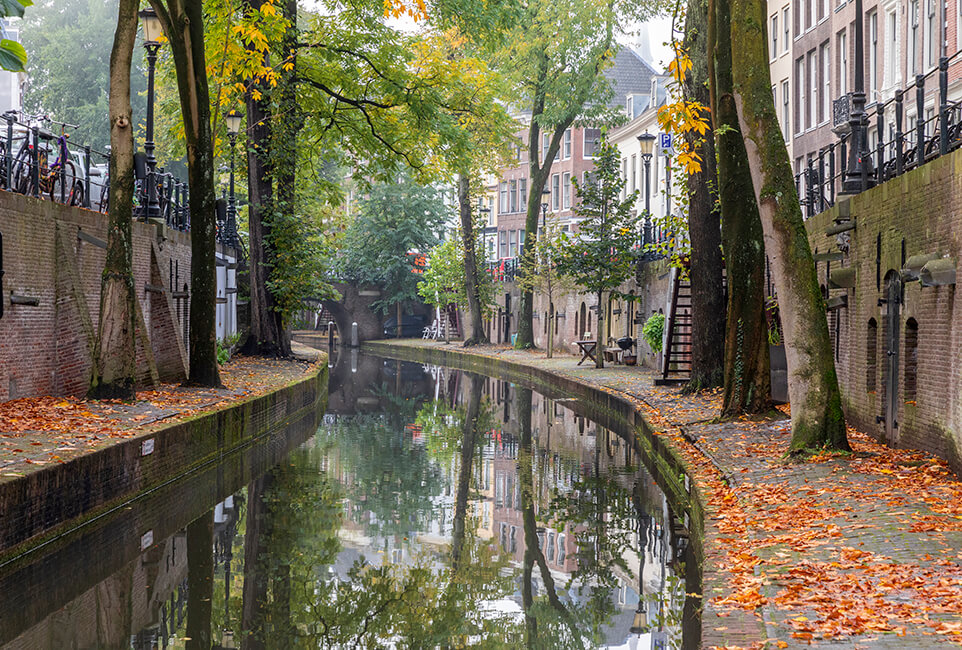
(45, 349)
(922, 212)
(40, 504)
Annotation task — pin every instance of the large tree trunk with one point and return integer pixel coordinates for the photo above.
(200, 581)
(599, 336)
(747, 375)
(817, 419)
(704, 221)
(183, 22)
(254, 591)
(267, 331)
(115, 363)
(474, 330)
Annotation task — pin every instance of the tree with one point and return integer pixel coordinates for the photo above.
(747, 386)
(817, 419)
(704, 217)
(545, 275)
(443, 282)
(183, 22)
(12, 55)
(68, 66)
(396, 225)
(115, 362)
(601, 257)
(553, 55)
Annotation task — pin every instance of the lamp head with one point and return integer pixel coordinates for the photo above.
(647, 143)
(233, 120)
(153, 29)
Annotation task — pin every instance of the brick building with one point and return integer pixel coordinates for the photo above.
(631, 84)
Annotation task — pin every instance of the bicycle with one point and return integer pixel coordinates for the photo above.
(62, 174)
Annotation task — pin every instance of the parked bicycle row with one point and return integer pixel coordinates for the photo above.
(38, 159)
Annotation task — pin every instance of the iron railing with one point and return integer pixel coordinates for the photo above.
(31, 163)
(820, 182)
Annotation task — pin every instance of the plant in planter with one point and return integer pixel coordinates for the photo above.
(653, 332)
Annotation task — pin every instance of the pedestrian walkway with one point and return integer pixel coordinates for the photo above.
(39, 431)
(841, 551)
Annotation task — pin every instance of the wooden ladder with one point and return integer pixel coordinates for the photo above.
(677, 361)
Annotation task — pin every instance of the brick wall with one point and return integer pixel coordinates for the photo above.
(917, 213)
(54, 254)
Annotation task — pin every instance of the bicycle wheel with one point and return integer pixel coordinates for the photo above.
(22, 178)
(77, 194)
(105, 197)
(64, 183)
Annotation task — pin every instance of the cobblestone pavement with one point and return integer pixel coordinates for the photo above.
(841, 551)
(39, 431)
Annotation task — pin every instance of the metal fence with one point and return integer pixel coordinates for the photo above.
(39, 162)
(907, 147)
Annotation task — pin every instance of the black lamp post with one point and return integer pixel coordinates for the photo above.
(233, 121)
(647, 143)
(858, 174)
(545, 193)
(153, 31)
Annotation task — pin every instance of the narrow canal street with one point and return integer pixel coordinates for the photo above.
(431, 508)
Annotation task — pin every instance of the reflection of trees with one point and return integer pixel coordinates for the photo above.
(200, 581)
(391, 475)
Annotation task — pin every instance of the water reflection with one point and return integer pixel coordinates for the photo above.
(432, 508)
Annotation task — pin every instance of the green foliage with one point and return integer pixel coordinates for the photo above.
(653, 331)
(68, 66)
(443, 282)
(13, 57)
(395, 222)
(601, 257)
(224, 347)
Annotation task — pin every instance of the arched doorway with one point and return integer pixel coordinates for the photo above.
(892, 326)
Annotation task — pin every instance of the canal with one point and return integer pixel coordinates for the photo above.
(430, 508)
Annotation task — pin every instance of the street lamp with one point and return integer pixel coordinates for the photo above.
(647, 143)
(153, 31)
(233, 121)
(545, 193)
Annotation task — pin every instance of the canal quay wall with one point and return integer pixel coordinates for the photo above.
(52, 262)
(41, 506)
(899, 361)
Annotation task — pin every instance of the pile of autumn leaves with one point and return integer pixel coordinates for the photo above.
(764, 547)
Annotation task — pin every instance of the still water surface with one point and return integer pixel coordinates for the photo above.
(431, 508)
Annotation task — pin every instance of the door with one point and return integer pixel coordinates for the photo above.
(893, 300)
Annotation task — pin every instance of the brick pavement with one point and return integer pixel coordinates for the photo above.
(865, 549)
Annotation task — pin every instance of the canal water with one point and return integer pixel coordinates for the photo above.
(431, 508)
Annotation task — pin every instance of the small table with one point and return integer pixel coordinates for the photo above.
(587, 350)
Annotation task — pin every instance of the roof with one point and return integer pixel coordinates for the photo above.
(629, 74)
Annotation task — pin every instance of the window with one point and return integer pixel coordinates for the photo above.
(798, 18)
(812, 8)
(566, 145)
(786, 114)
(522, 194)
(825, 109)
(774, 50)
(520, 240)
(502, 243)
(822, 9)
(561, 549)
(545, 144)
(813, 89)
(799, 92)
(630, 106)
(910, 377)
(786, 41)
(634, 172)
(914, 36)
(842, 47)
(513, 196)
(591, 138)
(891, 74)
(624, 176)
(512, 243)
(566, 190)
(555, 192)
(503, 206)
(930, 33)
(873, 57)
